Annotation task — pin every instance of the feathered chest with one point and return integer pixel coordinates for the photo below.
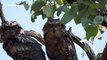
(54, 37)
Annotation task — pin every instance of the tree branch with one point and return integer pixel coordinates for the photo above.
(89, 51)
(35, 35)
(3, 19)
(104, 55)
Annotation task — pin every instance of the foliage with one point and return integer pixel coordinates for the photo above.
(83, 12)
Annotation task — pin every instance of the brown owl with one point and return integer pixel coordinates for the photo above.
(59, 45)
(18, 44)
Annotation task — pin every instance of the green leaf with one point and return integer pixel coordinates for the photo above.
(85, 22)
(68, 16)
(92, 11)
(91, 31)
(98, 20)
(81, 6)
(102, 2)
(25, 5)
(63, 8)
(95, 5)
(60, 2)
(87, 2)
(99, 55)
(59, 10)
(49, 10)
(86, 47)
(81, 14)
(35, 14)
(33, 17)
(105, 18)
(37, 5)
(99, 35)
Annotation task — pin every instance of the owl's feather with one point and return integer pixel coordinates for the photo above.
(58, 44)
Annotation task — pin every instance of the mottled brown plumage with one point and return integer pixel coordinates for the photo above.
(59, 45)
(18, 44)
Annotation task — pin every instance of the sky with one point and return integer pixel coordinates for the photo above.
(17, 13)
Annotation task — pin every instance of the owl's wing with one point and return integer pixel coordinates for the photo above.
(71, 46)
(77, 40)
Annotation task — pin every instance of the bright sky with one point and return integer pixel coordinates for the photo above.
(18, 13)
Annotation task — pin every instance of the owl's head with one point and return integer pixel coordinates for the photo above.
(12, 28)
(53, 25)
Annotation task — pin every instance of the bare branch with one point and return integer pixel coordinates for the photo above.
(104, 55)
(89, 51)
(3, 19)
(36, 35)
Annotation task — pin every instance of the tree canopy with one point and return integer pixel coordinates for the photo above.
(90, 13)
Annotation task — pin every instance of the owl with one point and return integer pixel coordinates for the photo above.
(18, 44)
(59, 45)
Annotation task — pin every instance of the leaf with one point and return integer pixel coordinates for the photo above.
(91, 31)
(92, 11)
(82, 55)
(85, 22)
(85, 47)
(25, 5)
(63, 8)
(98, 20)
(87, 2)
(60, 2)
(68, 16)
(81, 6)
(99, 55)
(35, 14)
(33, 17)
(80, 15)
(95, 5)
(49, 10)
(37, 5)
(99, 35)
(102, 2)
(105, 18)
(59, 10)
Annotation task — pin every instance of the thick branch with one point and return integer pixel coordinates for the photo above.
(104, 55)
(3, 19)
(36, 35)
(89, 51)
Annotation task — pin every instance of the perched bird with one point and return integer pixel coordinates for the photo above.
(59, 45)
(18, 44)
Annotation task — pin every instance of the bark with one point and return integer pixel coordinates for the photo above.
(89, 51)
(104, 55)
(36, 35)
(3, 19)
